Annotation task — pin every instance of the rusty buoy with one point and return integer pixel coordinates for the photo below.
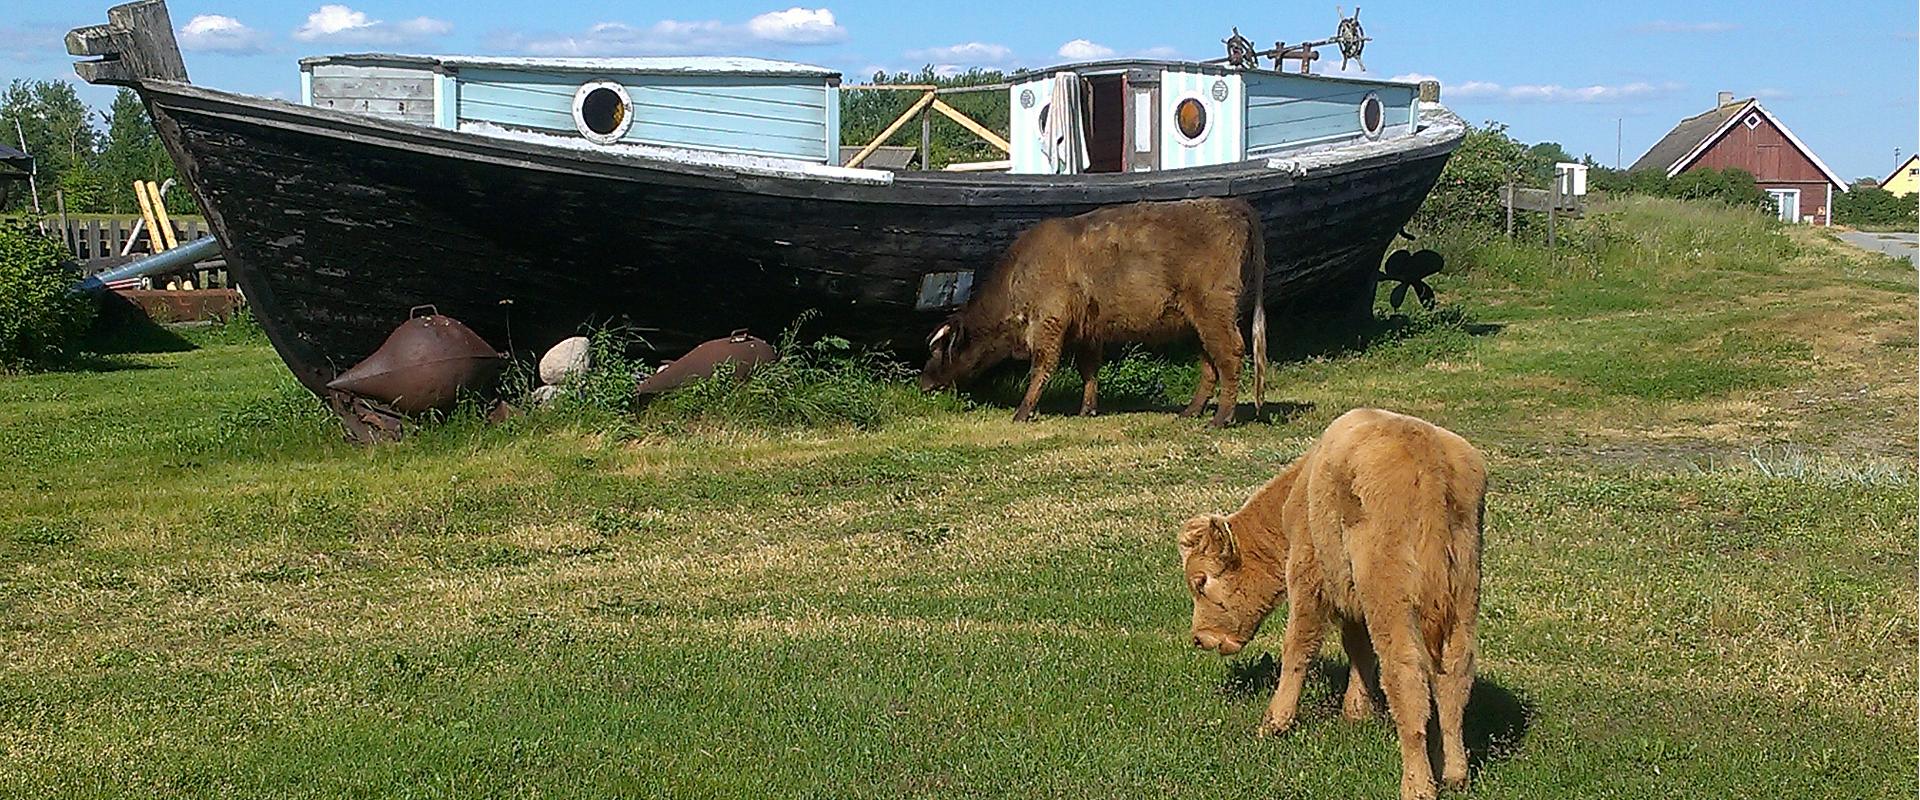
(743, 351)
(424, 365)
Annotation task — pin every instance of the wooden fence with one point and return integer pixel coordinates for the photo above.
(100, 244)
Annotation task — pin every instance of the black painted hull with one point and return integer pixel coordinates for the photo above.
(336, 225)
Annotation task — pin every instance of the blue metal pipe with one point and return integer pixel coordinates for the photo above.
(183, 256)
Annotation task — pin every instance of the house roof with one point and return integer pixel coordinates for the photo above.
(1904, 166)
(1694, 135)
(1686, 136)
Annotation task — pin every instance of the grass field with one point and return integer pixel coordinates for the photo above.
(1699, 577)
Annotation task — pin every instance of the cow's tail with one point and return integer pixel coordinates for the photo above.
(1257, 261)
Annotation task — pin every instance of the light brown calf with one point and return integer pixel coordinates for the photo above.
(1377, 528)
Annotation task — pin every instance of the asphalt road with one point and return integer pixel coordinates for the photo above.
(1898, 245)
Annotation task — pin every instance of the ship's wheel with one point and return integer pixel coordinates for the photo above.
(1351, 38)
(1240, 53)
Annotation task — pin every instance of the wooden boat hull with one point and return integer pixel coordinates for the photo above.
(336, 225)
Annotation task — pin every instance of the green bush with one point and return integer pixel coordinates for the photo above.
(1732, 186)
(1875, 207)
(1467, 196)
(39, 316)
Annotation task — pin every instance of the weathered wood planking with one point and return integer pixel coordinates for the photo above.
(404, 94)
(335, 226)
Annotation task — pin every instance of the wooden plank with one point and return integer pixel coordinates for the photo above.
(978, 130)
(146, 214)
(418, 88)
(161, 220)
(918, 106)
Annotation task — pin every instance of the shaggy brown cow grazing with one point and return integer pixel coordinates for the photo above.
(1142, 272)
(1377, 527)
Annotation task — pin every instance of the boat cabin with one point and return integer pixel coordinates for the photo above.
(751, 106)
(1142, 116)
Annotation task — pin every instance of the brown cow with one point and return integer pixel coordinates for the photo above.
(1376, 527)
(1141, 272)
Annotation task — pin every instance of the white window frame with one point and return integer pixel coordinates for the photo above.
(1208, 124)
(1373, 97)
(1780, 197)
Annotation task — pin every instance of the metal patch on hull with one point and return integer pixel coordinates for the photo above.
(944, 290)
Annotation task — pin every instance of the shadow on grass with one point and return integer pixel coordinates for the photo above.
(119, 329)
(1497, 718)
(1159, 378)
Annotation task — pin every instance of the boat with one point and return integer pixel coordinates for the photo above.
(532, 198)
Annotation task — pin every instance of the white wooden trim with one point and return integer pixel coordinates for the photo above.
(1754, 105)
(1827, 218)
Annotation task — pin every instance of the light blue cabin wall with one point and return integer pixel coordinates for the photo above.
(784, 117)
(1285, 111)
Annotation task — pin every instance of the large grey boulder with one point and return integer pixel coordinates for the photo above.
(568, 359)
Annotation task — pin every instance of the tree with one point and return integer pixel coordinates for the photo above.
(56, 125)
(133, 152)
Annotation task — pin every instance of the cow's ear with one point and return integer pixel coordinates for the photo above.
(1210, 534)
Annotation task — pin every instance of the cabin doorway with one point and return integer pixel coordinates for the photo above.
(1106, 123)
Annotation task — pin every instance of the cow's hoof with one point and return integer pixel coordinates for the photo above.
(1216, 422)
(1089, 412)
(1418, 790)
(1270, 727)
(1458, 782)
(1190, 412)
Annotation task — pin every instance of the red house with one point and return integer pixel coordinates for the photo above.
(1744, 134)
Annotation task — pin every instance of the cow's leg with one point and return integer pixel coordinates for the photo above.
(1203, 391)
(1224, 345)
(1363, 672)
(1045, 347)
(1306, 626)
(1403, 674)
(1452, 685)
(1089, 357)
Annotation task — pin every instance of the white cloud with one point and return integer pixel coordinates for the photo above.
(974, 53)
(794, 26)
(1089, 50)
(1084, 50)
(1668, 26)
(338, 23)
(221, 34)
(1545, 93)
(797, 26)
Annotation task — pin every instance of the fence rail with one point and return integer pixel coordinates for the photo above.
(102, 243)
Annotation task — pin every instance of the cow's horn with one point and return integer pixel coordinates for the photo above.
(940, 334)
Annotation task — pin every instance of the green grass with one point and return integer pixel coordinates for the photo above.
(1699, 576)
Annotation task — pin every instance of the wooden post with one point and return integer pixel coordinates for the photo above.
(156, 243)
(926, 140)
(66, 232)
(160, 215)
(1509, 208)
(1553, 206)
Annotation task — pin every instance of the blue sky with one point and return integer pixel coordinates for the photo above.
(1842, 75)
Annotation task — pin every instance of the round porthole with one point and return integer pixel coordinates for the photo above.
(602, 111)
(1373, 116)
(1190, 120)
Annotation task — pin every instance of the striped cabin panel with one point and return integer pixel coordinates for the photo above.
(1221, 141)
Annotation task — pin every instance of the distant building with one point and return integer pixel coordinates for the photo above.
(1744, 134)
(1906, 179)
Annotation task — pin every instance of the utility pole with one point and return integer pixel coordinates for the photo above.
(32, 183)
